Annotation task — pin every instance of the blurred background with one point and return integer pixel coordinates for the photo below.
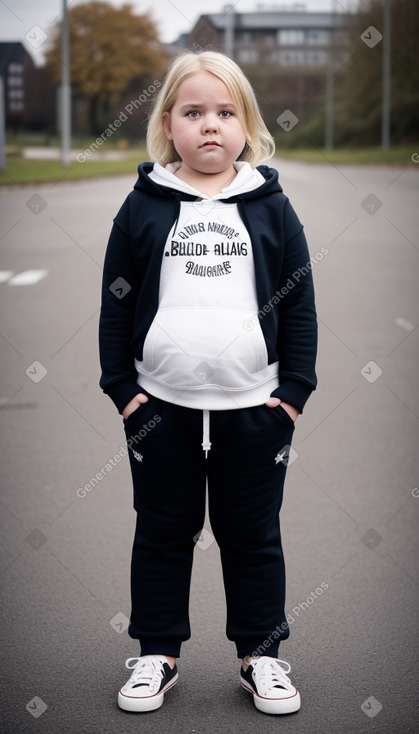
(337, 83)
(347, 71)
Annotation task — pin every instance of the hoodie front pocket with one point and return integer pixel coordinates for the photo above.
(189, 347)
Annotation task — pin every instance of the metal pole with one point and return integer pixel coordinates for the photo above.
(65, 97)
(229, 31)
(330, 87)
(2, 127)
(386, 99)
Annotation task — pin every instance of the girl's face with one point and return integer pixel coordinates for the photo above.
(204, 125)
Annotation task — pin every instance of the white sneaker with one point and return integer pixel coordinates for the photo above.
(273, 692)
(151, 677)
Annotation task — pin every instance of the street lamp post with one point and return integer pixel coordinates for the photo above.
(385, 116)
(2, 128)
(229, 31)
(65, 97)
(330, 84)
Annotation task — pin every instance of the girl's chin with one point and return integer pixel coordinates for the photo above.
(211, 152)
(209, 164)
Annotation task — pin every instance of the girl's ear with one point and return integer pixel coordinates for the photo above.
(167, 125)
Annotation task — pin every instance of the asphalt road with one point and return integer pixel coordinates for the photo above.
(351, 503)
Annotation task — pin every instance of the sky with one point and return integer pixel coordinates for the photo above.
(173, 17)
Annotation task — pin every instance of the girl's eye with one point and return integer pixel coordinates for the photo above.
(193, 114)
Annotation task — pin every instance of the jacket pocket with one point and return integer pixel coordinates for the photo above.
(283, 414)
(138, 412)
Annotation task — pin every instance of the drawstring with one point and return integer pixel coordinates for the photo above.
(206, 443)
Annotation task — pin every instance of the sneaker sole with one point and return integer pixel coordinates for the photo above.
(148, 703)
(274, 705)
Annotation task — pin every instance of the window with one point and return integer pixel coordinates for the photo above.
(248, 56)
(15, 93)
(15, 68)
(290, 37)
(317, 37)
(291, 58)
(15, 81)
(316, 58)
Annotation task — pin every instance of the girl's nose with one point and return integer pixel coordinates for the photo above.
(210, 124)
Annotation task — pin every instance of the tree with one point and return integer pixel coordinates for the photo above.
(359, 85)
(109, 47)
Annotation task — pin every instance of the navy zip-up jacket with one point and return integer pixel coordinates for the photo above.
(284, 284)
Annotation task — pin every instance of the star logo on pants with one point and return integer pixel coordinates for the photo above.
(286, 456)
(280, 457)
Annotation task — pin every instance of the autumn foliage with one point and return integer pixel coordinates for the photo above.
(109, 48)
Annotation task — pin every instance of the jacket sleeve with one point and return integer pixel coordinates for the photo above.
(297, 332)
(119, 295)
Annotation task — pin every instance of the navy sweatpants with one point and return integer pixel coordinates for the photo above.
(246, 468)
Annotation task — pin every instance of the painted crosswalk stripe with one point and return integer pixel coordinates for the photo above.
(28, 277)
(5, 275)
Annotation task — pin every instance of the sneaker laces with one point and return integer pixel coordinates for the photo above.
(147, 671)
(271, 673)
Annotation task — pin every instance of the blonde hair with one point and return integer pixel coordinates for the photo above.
(260, 145)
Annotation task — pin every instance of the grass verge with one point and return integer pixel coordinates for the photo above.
(21, 171)
(400, 156)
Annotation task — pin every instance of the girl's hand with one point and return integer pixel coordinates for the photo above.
(134, 404)
(292, 412)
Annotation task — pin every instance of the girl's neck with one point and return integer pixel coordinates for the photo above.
(208, 183)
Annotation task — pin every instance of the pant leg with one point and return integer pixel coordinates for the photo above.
(169, 480)
(246, 472)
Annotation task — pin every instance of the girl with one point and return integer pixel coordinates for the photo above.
(208, 340)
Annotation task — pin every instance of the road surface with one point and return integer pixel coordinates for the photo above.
(349, 518)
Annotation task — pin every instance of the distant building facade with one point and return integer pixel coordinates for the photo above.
(286, 37)
(15, 67)
(28, 91)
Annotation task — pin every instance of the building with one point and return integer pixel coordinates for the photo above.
(283, 36)
(29, 91)
(16, 66)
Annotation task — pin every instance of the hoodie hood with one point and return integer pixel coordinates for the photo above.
(250, 183)
(246, 179)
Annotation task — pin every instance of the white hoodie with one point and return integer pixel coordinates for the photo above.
(198, 352)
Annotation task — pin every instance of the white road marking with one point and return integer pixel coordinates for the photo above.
(5, 275)
(404, 323)
(28, 277)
